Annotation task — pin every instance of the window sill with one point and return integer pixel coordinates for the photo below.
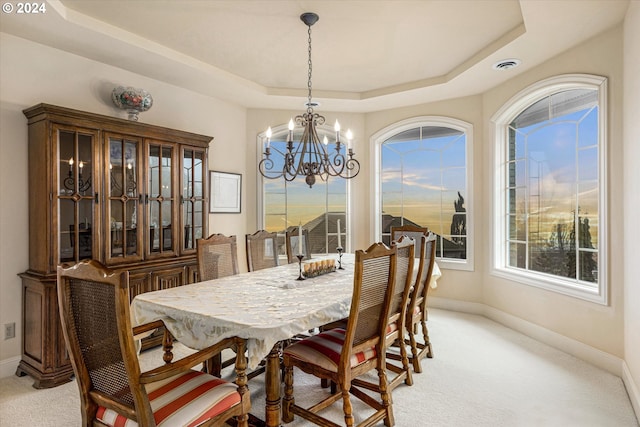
(452, 264)
(581, 290)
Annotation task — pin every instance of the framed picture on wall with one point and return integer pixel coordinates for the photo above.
(226, 192)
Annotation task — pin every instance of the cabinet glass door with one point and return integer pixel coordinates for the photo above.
(124, 236)
(76, 194)
(193, 197)
(160, 198)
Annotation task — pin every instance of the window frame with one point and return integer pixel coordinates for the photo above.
(384, 134)
(500, 124)
(260, 180)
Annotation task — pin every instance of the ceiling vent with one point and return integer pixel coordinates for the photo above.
(506, 64)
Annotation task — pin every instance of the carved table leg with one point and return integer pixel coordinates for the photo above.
(272, 385)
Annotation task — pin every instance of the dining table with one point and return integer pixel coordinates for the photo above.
(264, 307)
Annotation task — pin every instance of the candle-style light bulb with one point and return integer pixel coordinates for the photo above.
(81, 165)
(70, 164)
(268, 136)
(349, 138)
(129, 166)
(325, 141)
(337, 129)
(290, 131)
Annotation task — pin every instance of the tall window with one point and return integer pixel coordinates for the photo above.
(550, 207)
(319, 209)
(423, 180)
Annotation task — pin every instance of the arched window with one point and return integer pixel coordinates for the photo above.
(550, 187)
(422, 173)
(319, 209)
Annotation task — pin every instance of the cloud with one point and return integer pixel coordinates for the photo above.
(413, 180)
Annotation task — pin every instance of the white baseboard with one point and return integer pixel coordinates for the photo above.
(457, 305)
(596, 357)
(580, 350)
(8, 366)
(599, 358)
(632, 389)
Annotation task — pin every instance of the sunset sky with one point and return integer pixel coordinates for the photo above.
(563, 161)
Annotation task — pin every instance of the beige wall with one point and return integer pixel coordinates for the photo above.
(595, 325)
(631, 201)
(31, 73)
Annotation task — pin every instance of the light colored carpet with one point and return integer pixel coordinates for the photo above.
(482, 374)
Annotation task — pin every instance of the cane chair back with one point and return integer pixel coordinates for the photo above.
(217, 256)
(262, 250)
(410, 231)
(341, 355)
(398, 310)
(293, 244)
(94, 311)
(417, 306)
(397, 316)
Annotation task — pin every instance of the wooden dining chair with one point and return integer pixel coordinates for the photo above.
(397, 319)
(341, 355)
(96, 323)
(410, 231)
(217, 256)
(398, 311)
(262, 250)
(417, 306)
(293, 244)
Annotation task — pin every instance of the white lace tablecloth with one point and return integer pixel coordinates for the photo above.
(264, 307)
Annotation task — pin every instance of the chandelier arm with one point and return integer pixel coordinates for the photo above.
(266, 166)
(318, 148)
(299, 152)
(289, 178)
(290, 167)
(353, 166)
(304, 148)
(337, 164)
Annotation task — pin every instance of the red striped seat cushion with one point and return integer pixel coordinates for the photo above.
(416, 311)
(392, 327)
(324, 350)
(187, 399)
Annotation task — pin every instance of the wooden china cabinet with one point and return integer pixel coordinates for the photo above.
(129, 194)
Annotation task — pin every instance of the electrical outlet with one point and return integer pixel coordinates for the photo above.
(9, 330)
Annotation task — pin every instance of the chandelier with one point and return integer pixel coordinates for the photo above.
(310, 157)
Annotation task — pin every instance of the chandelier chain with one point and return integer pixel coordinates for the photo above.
(309, 108)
